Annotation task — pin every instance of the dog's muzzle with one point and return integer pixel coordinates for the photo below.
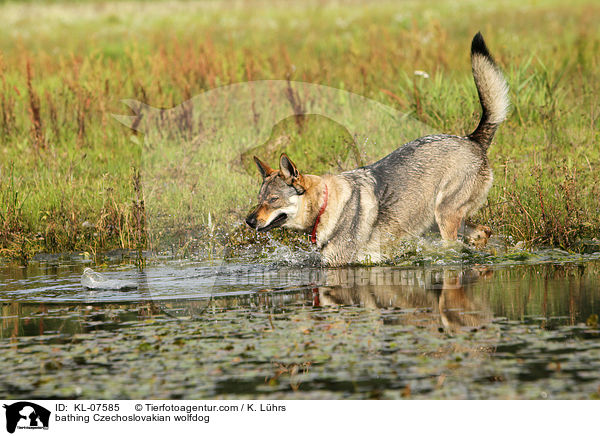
(252, 221)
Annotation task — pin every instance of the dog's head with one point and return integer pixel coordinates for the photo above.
(279, 198)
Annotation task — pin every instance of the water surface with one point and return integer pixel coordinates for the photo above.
(518, 326)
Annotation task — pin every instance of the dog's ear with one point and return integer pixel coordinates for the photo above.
(264, 169)
(287, 167)
(290, 174)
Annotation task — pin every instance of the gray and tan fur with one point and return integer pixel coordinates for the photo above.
(437, 179)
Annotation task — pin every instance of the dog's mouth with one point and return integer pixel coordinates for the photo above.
(277, 222)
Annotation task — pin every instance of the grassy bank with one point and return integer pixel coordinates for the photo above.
(68, 169)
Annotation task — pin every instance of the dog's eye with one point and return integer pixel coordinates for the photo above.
(273, 199)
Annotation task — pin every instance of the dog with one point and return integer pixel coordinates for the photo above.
(437, 179)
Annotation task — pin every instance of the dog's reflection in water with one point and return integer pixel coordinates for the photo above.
(430, 298)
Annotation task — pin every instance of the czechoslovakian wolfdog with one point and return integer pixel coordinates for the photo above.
(437, 179)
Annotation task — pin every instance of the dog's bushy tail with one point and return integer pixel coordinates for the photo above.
(492, 89)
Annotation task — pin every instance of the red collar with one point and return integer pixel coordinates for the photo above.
(313, 235)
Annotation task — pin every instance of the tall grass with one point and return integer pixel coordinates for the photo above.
(65, 163)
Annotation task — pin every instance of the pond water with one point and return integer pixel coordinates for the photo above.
(521, 325)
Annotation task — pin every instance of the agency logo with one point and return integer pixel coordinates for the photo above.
(26, 415)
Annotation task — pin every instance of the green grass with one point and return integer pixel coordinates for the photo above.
(66, 177)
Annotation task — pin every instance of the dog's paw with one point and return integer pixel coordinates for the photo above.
(478, 235)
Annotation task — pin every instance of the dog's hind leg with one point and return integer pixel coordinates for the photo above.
(452, 209)
(477, 234)
(448, 219)
(448, 222)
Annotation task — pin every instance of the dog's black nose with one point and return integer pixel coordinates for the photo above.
(251, 221)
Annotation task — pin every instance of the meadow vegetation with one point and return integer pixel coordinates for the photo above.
(70, 173)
